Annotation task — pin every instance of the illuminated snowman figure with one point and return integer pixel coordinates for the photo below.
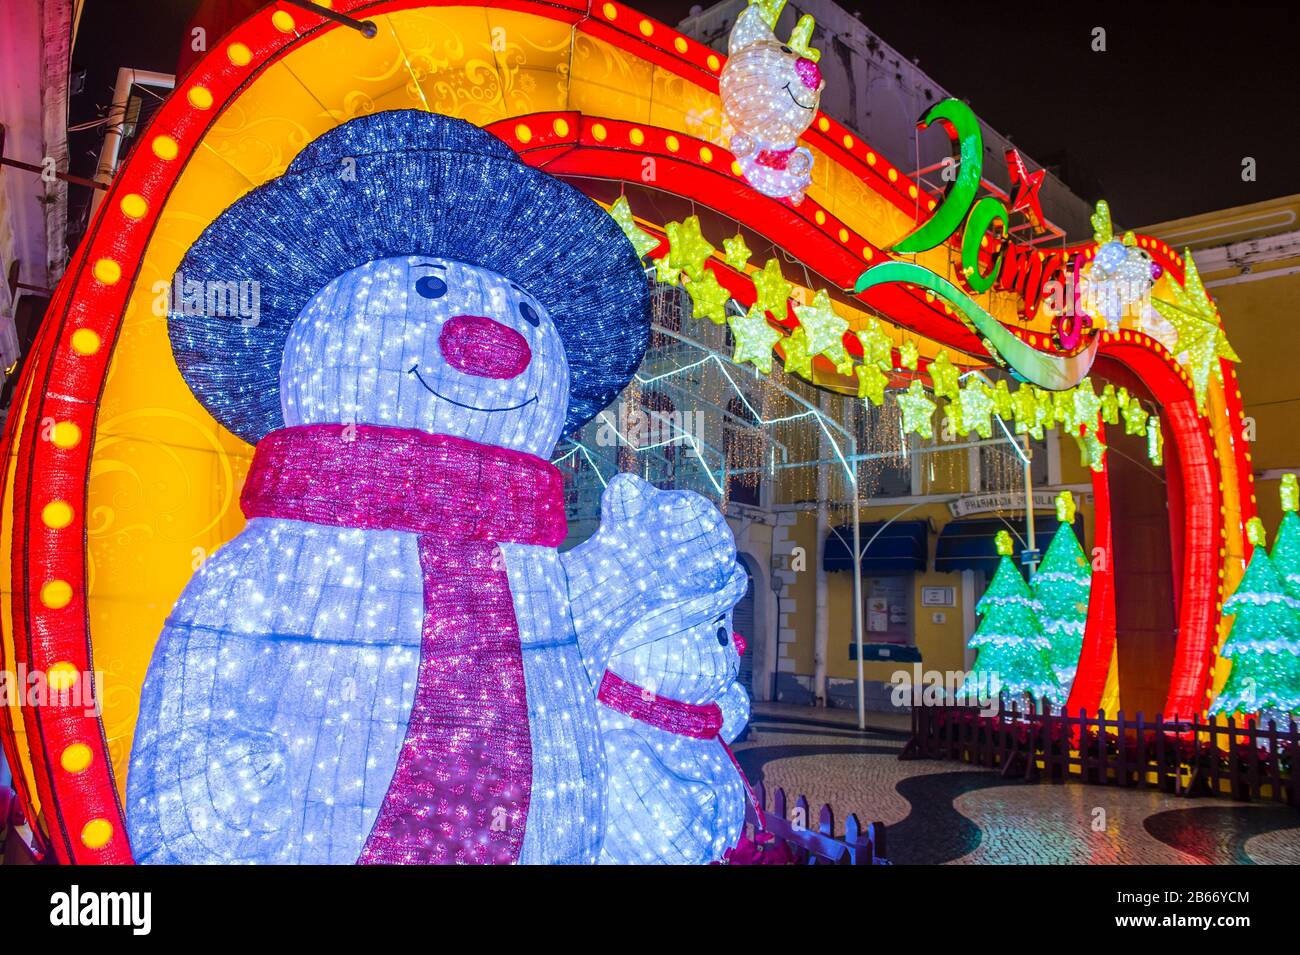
(669, 704)
(387, 664)
(770, 92)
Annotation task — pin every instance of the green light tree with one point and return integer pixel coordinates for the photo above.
(1061, 586)
(1263, 644)
(1009, 640)
(1286, 550)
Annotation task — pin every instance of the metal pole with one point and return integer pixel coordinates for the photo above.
(1029, 506)
(857, 589)
(106, 168)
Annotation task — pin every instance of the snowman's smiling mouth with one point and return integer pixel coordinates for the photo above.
(415, 370)
(796, 99)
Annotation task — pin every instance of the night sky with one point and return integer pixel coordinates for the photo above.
(1158, 124)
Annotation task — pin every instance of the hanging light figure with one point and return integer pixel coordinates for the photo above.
(770, 93)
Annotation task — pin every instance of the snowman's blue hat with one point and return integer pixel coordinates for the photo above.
(405, 182)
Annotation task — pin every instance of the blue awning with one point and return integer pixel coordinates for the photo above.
(968, 544)
(901, 546)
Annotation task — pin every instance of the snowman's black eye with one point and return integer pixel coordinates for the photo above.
(431, 287)
(723, 637)
(529, 314)
(786, 49)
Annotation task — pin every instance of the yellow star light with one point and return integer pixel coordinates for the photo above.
(1046, 416)
(840, 358)
(1155, 441)
(917, 409)
(871, 384)
(1201, 339)
(688, 249)
(771, 290)
(1289, 492)
(1065, 507)
(708, 297)
(976, 406)
(641, 240)
(1109, 405)
(877, 349)
(1002, 541)
(1086, 404)
(735, 252)
(1025, 408)
(944, 375)
(908, 355)
(798, 356)
(1135, 418)
(823, 327)
(1002, 402)
(1063, 409)
(664, 271)
(754, 340)
(952, 420)
(1092, 451)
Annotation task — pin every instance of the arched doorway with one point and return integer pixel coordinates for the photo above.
(1146, 612)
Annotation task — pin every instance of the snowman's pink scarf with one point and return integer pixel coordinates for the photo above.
(463, 781)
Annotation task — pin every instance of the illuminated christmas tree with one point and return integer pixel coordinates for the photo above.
(1264, 643)
(1061, 585)
(1286, 550)
(1009, 639)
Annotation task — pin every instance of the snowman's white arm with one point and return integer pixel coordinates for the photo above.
(653, 547)
(734, 703)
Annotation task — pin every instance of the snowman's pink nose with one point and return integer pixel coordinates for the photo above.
(808, 72)
(477, 345)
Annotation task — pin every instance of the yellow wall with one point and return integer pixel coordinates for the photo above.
(942, 645)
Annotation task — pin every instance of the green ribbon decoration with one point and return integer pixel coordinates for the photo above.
(1053, 372)
(964, 128)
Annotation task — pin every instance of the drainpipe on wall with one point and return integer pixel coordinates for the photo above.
(109, 152)
(822, 612)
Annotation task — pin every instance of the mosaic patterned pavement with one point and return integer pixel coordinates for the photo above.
(940, 812)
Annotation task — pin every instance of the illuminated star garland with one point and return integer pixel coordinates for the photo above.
(871, 384)
(824, 330)
(708, 297)
(771, 290)
(944, 375)
(1155, 441)
(735, 252)
(877, 349)
(1002, 406)
(643, 242)
(1201, 339)
(798, 354)
(755, 338)
(1135, 418)
(976, 407)
(1086, 405)
(1110, 403)
(917, 409)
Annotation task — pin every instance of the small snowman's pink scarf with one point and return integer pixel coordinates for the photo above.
(701, 721)
(463, 781)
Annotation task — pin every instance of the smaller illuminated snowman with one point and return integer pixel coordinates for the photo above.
(770, 92)
(668, 702)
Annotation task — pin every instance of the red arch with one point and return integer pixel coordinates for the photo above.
(47, 632)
